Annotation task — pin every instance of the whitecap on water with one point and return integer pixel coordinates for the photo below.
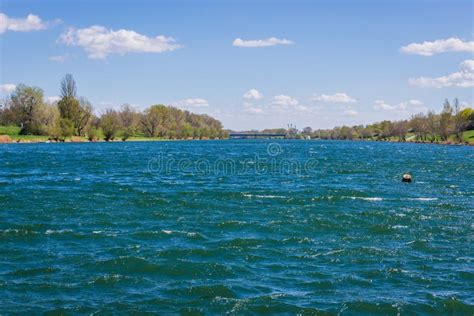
(399, 226)
(169, 232)
(372, 199)
(57, 231)
(423, 199)
(264, 196)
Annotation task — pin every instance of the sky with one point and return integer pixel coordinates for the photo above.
(250, 64)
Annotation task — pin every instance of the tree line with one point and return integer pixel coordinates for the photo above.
(74, 116)
(449, 125)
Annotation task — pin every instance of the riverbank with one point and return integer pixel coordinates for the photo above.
(32, 139)
(10, 135)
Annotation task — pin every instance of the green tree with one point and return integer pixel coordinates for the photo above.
(78, 111)
(28, 110)
(61, 130)
(459, 124)
(151, 120)
(468, 117)
(110, 124)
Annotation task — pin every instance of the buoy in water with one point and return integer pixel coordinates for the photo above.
(406, 177)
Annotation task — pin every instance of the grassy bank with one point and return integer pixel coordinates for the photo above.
(14, 133)
(469, 137)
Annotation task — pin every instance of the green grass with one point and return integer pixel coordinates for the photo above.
(9, 130)
(469, 136)
(14, 133)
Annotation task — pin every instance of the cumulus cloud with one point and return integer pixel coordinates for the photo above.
(7, 88)
(406, 107)
(272, 41)
(464, 78)
(59, 58)
(30, 23)
(284, 101)
(350, 113)
(452, 44)
(99, 42)
(382, 105)
(191, 103)
(252, 94)
(333, 98)
(254, 110)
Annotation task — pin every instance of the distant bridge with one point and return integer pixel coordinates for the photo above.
(256, 135)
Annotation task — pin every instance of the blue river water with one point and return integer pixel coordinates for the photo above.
(236, 227)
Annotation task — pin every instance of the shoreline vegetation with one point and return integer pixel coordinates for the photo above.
(25, 117)
(452, 126)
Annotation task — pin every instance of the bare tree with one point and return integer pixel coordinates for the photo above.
(68, 87)
(445, 120)
(433, 124)
(459, 122)
(128, 120)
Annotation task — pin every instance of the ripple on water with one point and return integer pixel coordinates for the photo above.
(85, 229)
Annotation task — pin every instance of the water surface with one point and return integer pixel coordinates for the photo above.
(103, 227)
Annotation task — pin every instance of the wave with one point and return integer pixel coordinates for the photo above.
(261, 196)
(205, 291)
(34, 271)
(181, 232)
(58, 231)
(18, 232)
(373, 199)
(108, 279)
(377, 199)
(423, 199)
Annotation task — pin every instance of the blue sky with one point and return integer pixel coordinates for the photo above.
(251, 64)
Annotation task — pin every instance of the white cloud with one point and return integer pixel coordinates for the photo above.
(59, 58)
(334, 98)
(252, 94)
(351, 113)
(254, 110)
(382, 105)
(452, 44)
(272, 41)
(7, 88)
(99, 42)
(30, 23)
(284, 101)
(191, 103)
(464, 78)
(53, 99)
(406, 107)
(302, 108)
